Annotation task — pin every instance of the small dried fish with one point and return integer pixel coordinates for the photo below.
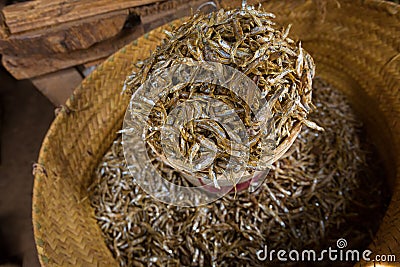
(319, 191)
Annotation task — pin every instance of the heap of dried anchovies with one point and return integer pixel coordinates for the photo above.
(321, 190)
(246, 40)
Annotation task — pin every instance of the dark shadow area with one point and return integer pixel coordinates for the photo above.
(25, 117)
(11, 2)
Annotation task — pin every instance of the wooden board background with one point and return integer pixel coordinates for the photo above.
(42, 13)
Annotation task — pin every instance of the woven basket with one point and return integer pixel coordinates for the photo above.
(356, 47)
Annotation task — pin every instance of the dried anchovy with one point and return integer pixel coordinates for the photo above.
(246, 40)
(321, 190)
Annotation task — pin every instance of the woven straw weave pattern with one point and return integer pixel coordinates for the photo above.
(356, 47)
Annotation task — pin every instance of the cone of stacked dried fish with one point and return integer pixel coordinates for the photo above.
(248, 40)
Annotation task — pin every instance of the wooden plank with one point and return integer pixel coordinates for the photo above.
(58, 86)
(3, 33)
(41, 13)
(32, 66)
(65, 37)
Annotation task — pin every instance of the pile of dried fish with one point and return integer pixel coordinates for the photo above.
(321, 190)
(246, 40)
